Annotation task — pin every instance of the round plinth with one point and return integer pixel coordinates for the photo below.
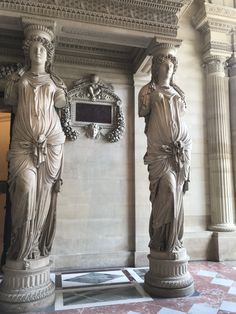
(168, 292)
(24, 307)
(168, 275)
(26, 286)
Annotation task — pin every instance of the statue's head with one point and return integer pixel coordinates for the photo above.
(95, 79)
(38, 46)
(164, 62)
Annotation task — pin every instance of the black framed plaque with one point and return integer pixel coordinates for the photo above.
(94, 107)
(93, 113)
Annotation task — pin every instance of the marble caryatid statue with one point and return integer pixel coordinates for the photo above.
(36, 152)
(162, 104)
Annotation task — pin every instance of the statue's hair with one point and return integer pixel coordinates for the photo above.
(48, 45)
(157, 61)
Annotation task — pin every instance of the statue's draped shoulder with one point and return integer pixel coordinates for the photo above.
(144, 101)
(58, 81)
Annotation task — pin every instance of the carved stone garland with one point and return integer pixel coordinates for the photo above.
(8, 68)
(91, 90)
(66, 124)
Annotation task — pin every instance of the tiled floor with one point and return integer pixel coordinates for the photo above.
(121, 292)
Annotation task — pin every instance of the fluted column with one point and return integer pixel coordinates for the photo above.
(219, 146)
(232, 101)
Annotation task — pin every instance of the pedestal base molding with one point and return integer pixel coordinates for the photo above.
(168, 275)
(222, 227)
(26, 286)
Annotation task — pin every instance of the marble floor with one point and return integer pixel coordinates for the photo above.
(121, 292)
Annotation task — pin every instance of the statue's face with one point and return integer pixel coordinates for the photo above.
(38, 53)
(95, 79)
(166, 70)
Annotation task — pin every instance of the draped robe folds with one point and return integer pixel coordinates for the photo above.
(168, 160)
(36, 158)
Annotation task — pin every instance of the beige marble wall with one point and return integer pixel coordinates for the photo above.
(190, 78)
(95, 226)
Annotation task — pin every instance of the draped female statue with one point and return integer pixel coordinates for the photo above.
(162, 104)
(36, 151)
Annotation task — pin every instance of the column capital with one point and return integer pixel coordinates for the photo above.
(232, 66)
(26, 21)
(215, 64)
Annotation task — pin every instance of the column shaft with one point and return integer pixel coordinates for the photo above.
(219, 148)
(232, 102)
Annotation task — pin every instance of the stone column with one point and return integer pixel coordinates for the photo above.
(232, 97)
(219, 145)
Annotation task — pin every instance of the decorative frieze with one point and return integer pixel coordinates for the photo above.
(156, 17)
(68, 59)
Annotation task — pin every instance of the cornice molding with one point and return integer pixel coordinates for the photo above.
(147, 16)
(216, 23)
(59, 58)
(212, 16)
(89, 47)
(228, 13)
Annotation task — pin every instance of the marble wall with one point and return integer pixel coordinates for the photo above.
(95, 225)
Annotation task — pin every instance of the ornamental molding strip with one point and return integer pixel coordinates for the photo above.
(67, 59)
(156, 17)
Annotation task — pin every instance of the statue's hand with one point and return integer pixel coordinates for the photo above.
(57, 185)
(186, 186)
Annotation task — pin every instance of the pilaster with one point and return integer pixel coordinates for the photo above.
(232, 97)
(219, 145)
(215, 24)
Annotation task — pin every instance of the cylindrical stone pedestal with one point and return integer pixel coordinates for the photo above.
(168, 275)
(26, 286)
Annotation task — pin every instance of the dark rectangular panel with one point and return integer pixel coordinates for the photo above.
(93, 113)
